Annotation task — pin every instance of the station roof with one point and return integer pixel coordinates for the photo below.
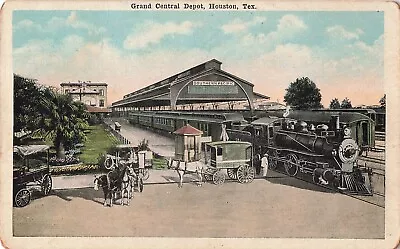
(158, 94)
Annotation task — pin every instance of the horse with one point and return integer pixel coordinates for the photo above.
(183, 168)
(115, 181)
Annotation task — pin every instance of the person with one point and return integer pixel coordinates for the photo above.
(264, 165)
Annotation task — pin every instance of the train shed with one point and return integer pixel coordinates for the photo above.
(204, 83)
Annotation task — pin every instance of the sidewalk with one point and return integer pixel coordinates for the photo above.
(167, 176)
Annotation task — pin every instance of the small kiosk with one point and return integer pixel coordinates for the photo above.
(188, 144)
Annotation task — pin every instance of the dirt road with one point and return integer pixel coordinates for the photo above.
(274, 208)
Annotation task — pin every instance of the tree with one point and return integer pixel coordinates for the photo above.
(382, 101)
(64, 120)
(26, 108)
(303, 94)
(346, 103)
(335, 104)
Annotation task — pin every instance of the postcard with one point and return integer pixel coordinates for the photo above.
(201, 124)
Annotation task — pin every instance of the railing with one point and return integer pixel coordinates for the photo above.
(116, 134)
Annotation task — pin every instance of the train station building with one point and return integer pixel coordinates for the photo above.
(195, 88)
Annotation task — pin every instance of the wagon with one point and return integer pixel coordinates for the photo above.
(30, 168)
(233, 156)
(140, 161)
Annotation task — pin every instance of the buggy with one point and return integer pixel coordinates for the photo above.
(139, 161)
(30, 168)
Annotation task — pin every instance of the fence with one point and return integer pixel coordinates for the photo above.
(116, 134)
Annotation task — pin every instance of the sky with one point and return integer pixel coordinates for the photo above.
(342, 52)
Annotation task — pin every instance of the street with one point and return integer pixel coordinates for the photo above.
(279, 207)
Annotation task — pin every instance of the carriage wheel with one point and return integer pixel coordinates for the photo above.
(290, 164)
(140, 185)
(46, 185)
(273, 162)
(245, 174)
(22, 198)
(109, 163)
(208, 174)
(231, 173)
(146, 174)
(218, 177)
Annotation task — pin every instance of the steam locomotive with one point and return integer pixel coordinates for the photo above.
(327, 153)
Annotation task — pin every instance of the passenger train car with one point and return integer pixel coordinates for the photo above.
(170, 121)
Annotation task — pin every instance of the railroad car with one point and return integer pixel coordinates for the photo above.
(170, 121)
(328, 153)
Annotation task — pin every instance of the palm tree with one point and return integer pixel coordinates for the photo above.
(63, 120)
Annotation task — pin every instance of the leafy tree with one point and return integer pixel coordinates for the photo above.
(382, 101)
(26, 108)
(335, 104)
(303, 94)
(346, 103)
(64, 120)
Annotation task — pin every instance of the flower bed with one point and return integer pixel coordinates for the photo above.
(74, 169)
(67, 161)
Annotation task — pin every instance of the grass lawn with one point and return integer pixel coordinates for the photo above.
(97, 142)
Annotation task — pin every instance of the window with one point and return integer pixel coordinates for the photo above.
(219, 151)
(101, 103)
(66, 91)
(101, 92)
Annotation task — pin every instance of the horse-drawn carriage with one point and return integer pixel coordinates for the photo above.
(234, 156)
(30, 168)
(139, 161)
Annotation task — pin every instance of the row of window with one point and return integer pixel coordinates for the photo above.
(164, 121)
(101, 91)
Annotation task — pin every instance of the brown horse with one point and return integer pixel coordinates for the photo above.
(115, 181)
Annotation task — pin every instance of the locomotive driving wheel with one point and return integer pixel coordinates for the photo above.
(46, 184)
(245, 174)
(218, 177)
(231, 173)
(290, 164)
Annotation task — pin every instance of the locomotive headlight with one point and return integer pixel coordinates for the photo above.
(347, 131)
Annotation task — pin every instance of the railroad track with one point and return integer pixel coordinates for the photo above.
(380, 136)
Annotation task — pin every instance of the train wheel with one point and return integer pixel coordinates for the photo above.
(22, 198)
(290, 164)
(231, 173)
(245, 174)
(218, 177)
(272, 160)
(46, 184)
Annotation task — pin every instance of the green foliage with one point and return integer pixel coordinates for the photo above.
(97, 143)
(335, 104)
(26, 107)
(346, 103)
(303, 94)
(382, 101)
(63, 120)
